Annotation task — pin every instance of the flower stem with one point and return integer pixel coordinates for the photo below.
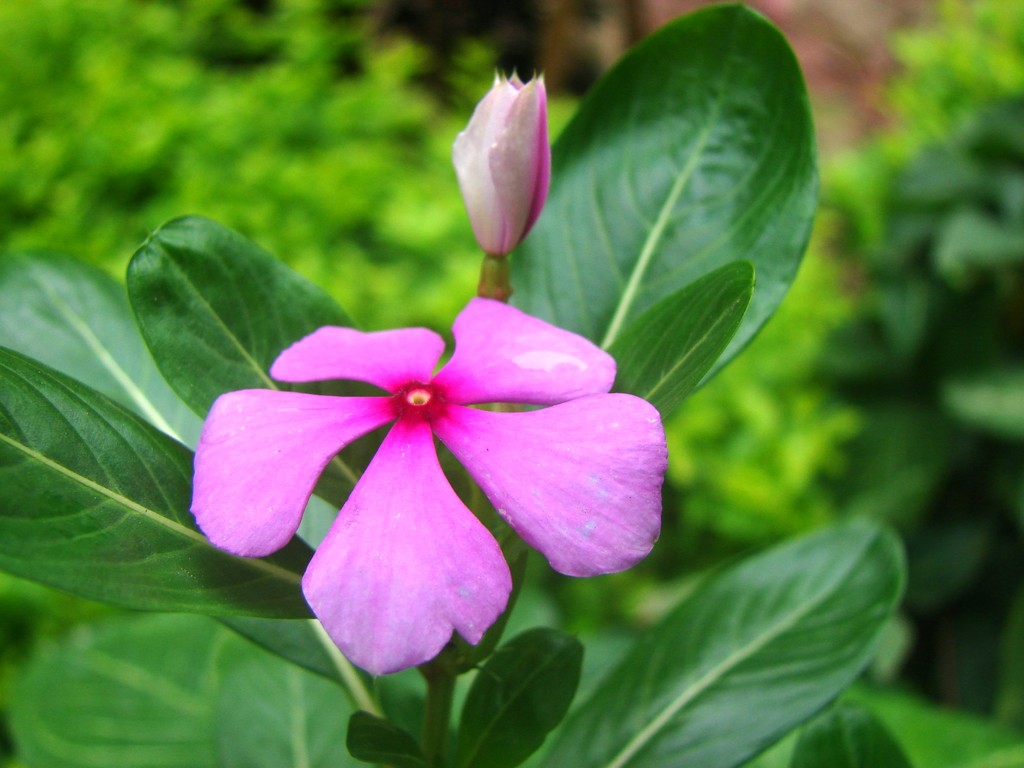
(495, 282)
(358, 693)
(440, 675)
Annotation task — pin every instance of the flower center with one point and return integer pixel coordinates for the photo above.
(418, 396)
(416, 401)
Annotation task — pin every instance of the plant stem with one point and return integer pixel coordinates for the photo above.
(440, 676)
(495, 282)
(358, 694)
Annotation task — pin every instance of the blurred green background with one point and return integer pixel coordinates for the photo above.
(890, 384)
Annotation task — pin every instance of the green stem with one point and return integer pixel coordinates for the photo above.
(495, 281)
(440, 676)
(358, 693)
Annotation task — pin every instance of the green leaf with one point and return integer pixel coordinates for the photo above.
(520, 694)
(76, 319)
(96, 501)
(173, 691)
(306, 643)
(753, 652)
(696, 150)
(375, 740)
(274, 715)
(847, 736)
(297, 641)
(133, 693)
(988, 400)
(663, 355)
(937, 737)
(216, 310)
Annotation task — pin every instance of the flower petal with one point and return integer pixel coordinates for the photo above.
(521, 160)
(504, 355)
(260, 455)
(387, 359)
(580, 481)
(405, 563)
(470, 155)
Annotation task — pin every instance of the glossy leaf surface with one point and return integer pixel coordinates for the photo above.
(216, 310)
(695, 151)
(96, 502)
(757, 649)
(522, 692)
(664, 354)
(76, 319)
(375, 740)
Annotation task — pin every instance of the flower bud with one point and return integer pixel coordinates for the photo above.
(503, 163)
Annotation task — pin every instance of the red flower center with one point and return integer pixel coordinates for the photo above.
(416, 401)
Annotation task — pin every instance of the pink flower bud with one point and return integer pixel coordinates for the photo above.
(503, 162)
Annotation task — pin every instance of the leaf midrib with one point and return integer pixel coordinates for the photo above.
(218, 320)
(522, 686)
(718, 671)
(133, 506)
(643, 262)
(106, 359)
(670, 373)
(337, 461)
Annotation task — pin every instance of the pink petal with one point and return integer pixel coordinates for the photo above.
(541, 160)
(388, 359)
(260, 455)
(580, 481)
(520, 160)
(504, 355)
(470, 155)
(405, 563)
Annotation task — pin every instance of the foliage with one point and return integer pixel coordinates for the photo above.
(753, 454)
(971, 54)
(289, 125)
(933, 361)
(767, 640)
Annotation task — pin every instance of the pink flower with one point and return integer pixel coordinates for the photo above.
(503, 163)
(406, 563)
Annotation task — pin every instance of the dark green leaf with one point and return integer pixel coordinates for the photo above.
(275, 715)
(664, 354)
(374, 740)
(520, 694)
(216, 310)
(695, 151)
(847, 736)
(96, 501)
(753, 652)
(132, 693)
(76, 319)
